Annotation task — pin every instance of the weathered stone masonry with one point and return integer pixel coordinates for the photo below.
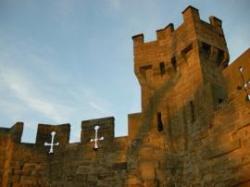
(194, 128)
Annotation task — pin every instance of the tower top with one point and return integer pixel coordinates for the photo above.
(191, 28)
(195, 42)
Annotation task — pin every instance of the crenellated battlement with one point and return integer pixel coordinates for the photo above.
(107, 127)
(15, 132)
(192, 23)
(165, 32)
(176, 40)
(195, 42)
(44, 133)
(106, 130)
(36, 159)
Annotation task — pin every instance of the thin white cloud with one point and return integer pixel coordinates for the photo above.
(24, 90)
(85, 96)
(97, 107)
(32, 91)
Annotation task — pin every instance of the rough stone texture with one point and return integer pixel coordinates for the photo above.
(194, 128)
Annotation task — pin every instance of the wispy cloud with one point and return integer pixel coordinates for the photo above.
(97, 107)
(34, 89)
(94, 105)
(26, 91)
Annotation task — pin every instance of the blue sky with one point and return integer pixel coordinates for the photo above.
(64, 61)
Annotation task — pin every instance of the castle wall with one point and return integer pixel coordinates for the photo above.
(235, 83)
(76, 164)
(219, 155)
(4, 149)
(194, 128)
(188, 98)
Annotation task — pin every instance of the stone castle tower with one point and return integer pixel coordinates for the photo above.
(193, 130)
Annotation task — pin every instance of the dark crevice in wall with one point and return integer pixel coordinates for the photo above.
(162, 68)
(220, 57)
(206, 49)
(159, 122)
(174, 64)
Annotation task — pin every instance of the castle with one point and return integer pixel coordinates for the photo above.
(193, 130)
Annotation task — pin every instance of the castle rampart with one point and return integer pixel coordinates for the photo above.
(193, 130)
